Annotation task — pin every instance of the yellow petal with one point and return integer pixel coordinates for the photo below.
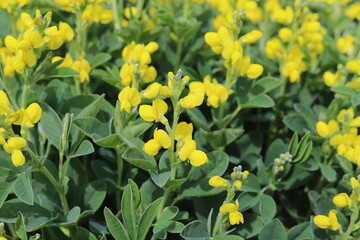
(236, 218)
(198, 158)
(217, 181)
(146, 112)
(17, 158)
(16, 142)
(228, 208)
(163, 138)
(188, 148)
(341, 200)
(152, 147)
(34, 112)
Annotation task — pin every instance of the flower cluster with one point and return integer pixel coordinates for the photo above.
(282, 163)
(237, 176)
(341, 200)
(91, 11)
(82, 65)
(137, 59)
(24, 50)
(343, 134)
(225, 42)
(26, 118)
(11, 5)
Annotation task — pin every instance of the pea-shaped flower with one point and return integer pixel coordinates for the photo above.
(196, 157)
(217, 182)
(235, 217)
(154, 112)
(341, 200)
(324, 222)
(26, 117)
(129, 97)
(13, 146)
(161, 140)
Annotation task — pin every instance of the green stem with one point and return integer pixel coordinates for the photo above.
(139, 8)
(11, 229)
(24, 95)
(179, 49)
(120, 166)
(114, 8)
(354, 216)
(232, 116)
(221, 215)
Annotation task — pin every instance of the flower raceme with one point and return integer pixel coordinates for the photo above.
(235, 217)
(137, 59)
(129, 97)
(82, 66)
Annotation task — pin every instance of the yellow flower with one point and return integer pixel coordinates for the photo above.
(252, 37)
(161, 139)
(217, 182)
(153, 112)
(285, 34)
(152, 90)
(2, 238)
(127, 74)
(353, 11)
(353, 66)
(26, 117)
(354, 183)
(83, 67)
(96, 13)
(238, 184)
(129, 97)
(235, 216)
(345, 44)
(195, 96)
(4, 104)
(341, 200)
(325, 130)
(327, 221)
(196, 157)
(184, 131)
(331, 79)
(13, 146)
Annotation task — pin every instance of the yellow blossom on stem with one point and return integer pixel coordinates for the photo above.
(153, 112)
(196, 157)
(324, 222)
(129, 97)
(4, 104)
(341, 200)
(184, 131)
(217, 181)
(235, 217)
(161, 140)
(325, 130)
(27, 117)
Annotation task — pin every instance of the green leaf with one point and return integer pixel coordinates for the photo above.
(20, 227)
(293, 144)
(304, 155)
(275, 230)
(6, 174)
(306, 113)
(195, 230)
(35, 216)
(114, 225)
(95, 193)
(23, 189)
(252, 226)
(217, 165)
(137, 158)
(228, 237)
(265, 85)
(71, 217)
(136, 129)
(160, 179)
(197, 117)
(128, 211)
(295, 122)
(248, 200)
(147, 218)
(342, 90)
(267, 208)
(82, 233)
(62, 72)
(345, 164)
(99, 60)
(260, 101)
(222, 137)
(302, 146)
(111, 141)
(5, 188)
(85, 148)
(51, 125)
(328, 172)
(300, 232)
(91, 127)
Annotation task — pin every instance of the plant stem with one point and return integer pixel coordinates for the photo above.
(114, 8)
(220, 215)
(120, 165)
(353, 218)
